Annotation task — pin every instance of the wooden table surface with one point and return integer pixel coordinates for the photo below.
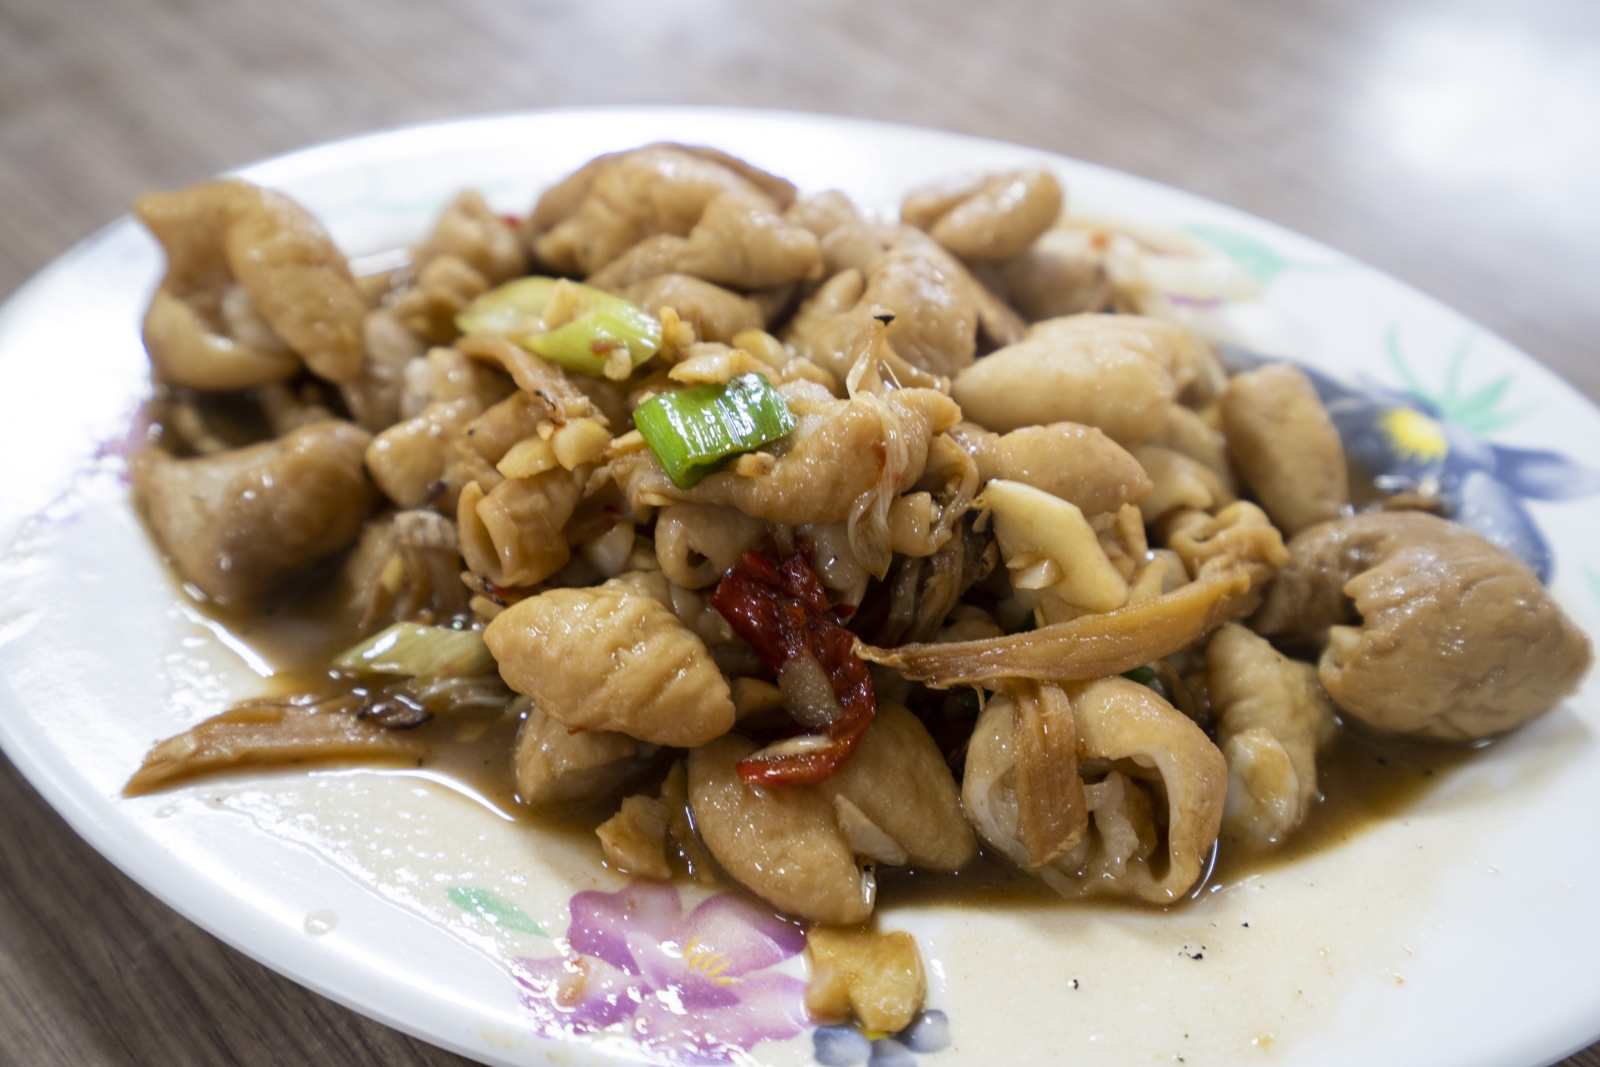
(1455, 145)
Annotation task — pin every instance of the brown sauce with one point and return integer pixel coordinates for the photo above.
(1364, 780)
(473, 752)
(989, 881)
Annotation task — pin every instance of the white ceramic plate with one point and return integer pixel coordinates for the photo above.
(1464, 932)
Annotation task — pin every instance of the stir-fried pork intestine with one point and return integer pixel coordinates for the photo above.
(847, 466)
(1239, 535)
(687, 604)
(824, 213)
(441, 290)
(189, 348)
(1079, 464)
(696, 544)
(406, 567)
(252, 282)
(1062, 273)
(1272, 716)
(472, 232)
(783, 844)
(1188, 433)
(408, 459)
(374, 396)
(921, 522)
(553, 392)
(743, 242)
(1115, 372)
(445, 374)
(1178, 482)
(289, 409)
(934, 306)
(1429, 630)
(731, 226)
(898, 780)
(554, 763)
(1135, 748)
(652, 258)
(681, 835)
(994, 216)
(237, 522)
(1285, 446)
(609, 658)
(803, 847)
(522, 466)
(715, 313)
(512, 535)
(490, 438)
(634, 840)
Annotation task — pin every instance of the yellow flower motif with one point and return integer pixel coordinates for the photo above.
(709, 963)
(1413, 435)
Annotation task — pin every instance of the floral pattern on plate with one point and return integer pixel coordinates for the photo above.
(699, 988)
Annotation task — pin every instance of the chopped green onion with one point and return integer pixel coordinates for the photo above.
(421, 651)
(587, 342)
(694, 431)
(511, 310)
(1142, 675)
(598, 332)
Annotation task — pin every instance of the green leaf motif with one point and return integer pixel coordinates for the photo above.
(495, 908)
(1412, 383)
(1480, 404)
(1255, 257)
(1478, 411)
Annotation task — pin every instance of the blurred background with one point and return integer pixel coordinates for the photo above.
(1455, 145)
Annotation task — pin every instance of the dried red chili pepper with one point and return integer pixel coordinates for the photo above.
(783, 612)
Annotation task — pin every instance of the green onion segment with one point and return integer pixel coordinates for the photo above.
(510, 310)
(694, 431)
(1142, 675)
(584, 343)
(420, 651)
(602, 324)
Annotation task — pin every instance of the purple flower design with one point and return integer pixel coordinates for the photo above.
(695, 988)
